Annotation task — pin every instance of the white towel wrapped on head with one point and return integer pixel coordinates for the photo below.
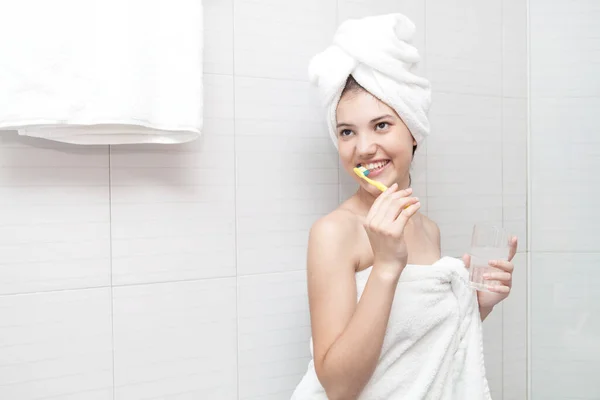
(378, 52)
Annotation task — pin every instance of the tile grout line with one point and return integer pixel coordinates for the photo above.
(110, 247)
(235, 213)
(340, 192)
(502, 104)
(528, 202)
(425, 69)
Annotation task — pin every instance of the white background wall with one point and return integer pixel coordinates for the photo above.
(177, 272)
(564, 162)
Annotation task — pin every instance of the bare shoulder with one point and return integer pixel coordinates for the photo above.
(432, 230)
(334, 232)
(337, 222)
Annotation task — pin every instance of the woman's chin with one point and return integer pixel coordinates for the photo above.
(372, 190)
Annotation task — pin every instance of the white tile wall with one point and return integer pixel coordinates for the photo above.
(54, 216)
(204, 244)
(176, 340)
(514, 48)
(464, 46)
(287, 173)
(514, 167)
(563, 157)
(464, 166)
(492, 350)
(218, 36)
(173, 207)
(274, 333)
(514, 193)
(514, 334)
(565, 326)
(413, 9)
(564, 47)
(275, 39)
(56, 345)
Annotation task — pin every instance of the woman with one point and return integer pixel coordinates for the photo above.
(371, 261)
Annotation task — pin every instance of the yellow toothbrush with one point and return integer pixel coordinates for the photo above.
(362, 172)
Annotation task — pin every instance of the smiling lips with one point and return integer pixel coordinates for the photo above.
(375, 167)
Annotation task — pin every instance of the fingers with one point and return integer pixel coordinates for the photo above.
(513, 247)
(467, 260)
(499, 289)
(405, 215)
(381, 200)
(504, 265)
(498, 276)
(397, 203)
(503, 279)
(388, 206)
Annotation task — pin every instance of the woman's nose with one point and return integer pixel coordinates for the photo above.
(366, 146)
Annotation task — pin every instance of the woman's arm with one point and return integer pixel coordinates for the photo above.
(347, 336)
(485, 311)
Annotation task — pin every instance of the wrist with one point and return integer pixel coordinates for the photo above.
(485, 311)
(388, 271)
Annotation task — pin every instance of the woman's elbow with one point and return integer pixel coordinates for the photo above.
(335, 388)
(339, 395)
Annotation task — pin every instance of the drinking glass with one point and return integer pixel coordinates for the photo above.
(488, 242)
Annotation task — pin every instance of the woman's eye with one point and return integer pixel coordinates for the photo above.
(382, 125)
(346, 132)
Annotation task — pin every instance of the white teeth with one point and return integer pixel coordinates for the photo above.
(376, 165)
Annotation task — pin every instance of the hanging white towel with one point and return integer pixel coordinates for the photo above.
(102, 71)
(433, 346)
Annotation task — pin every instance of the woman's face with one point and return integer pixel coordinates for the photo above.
(371, 134)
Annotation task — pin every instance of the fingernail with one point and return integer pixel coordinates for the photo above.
(492, 262)
(486, 276)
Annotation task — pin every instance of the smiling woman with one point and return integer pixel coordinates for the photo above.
(390, 317)
(372, 135)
